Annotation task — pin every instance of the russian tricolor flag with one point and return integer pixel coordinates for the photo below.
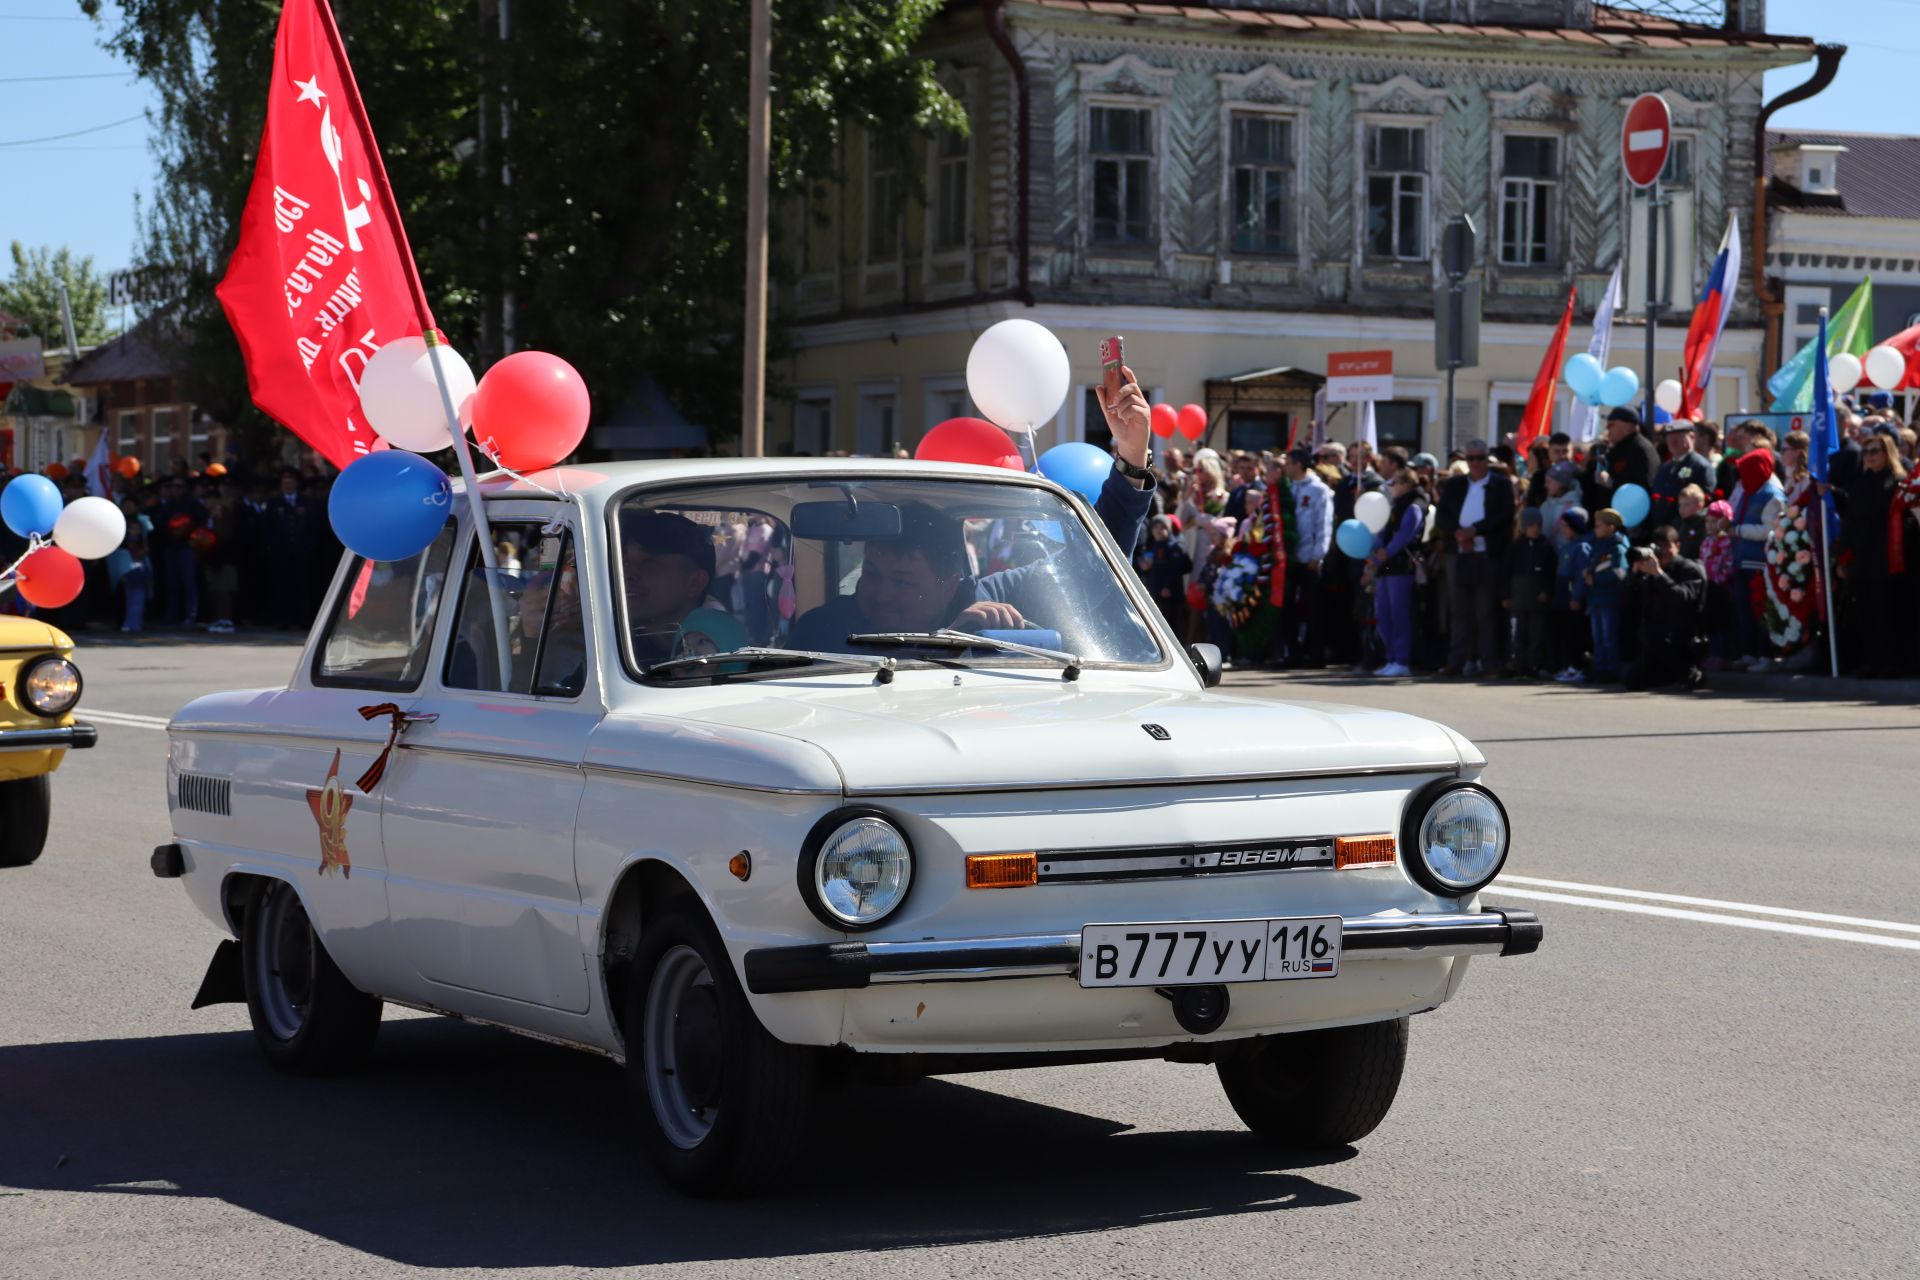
(1710, 320)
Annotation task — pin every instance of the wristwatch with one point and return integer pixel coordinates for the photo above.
(1137, 474)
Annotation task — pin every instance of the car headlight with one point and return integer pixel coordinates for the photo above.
(855, 869)
(1457, 838)
(50, 686)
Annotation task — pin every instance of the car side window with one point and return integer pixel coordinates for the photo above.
(382, 623)
(539, 597)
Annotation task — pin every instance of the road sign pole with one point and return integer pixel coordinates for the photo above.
(1456, 318)
(1653, 297)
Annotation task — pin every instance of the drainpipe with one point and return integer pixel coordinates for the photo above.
(996, 13)
(1772, 306)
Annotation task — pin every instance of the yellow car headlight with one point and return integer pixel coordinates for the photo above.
(50, 686)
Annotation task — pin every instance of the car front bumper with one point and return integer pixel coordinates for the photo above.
(852, 966)
(68, 737)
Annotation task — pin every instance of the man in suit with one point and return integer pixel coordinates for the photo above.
(1630, 458)
(1476, 513)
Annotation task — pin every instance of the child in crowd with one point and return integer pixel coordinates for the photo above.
(1563, 493)
(1531, 568)
(1605, 582)
(1163, 565)
(1218, 551)
(1692, 524)
(1716, 557)
(1569, 627)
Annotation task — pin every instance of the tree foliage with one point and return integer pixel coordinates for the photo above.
(32, 295)
(612, 210)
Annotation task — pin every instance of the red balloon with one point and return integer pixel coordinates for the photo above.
(1166, 420)
(969, 440)
(530, 411)
(1193, 421)
(50, 577)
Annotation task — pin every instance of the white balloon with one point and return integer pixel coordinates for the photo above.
(1886, 367)
(1018, 375)
(1373, 510)
(1844, 372)
(402, 399)
(1667, 395)
(90, 528)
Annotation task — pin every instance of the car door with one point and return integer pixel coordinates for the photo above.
(479, 804)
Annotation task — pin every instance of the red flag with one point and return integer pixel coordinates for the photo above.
(1538, 420)
(322, 277)
(1907, 343)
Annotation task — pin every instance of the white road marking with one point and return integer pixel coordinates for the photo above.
(1704, 917)
(1788, 913)
(121, 719)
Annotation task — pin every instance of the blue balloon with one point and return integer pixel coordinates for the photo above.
(1620, 386)
(1583, 374)
(1661, 417)
(30, 505)
(1354, 538)
(389, 505)
(1591, 399)
(1632, 502)
(1079, 466)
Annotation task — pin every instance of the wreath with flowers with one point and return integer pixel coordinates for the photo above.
(1243, 583)
(1793, 595)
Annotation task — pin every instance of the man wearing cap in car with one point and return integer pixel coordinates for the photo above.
(667, 562)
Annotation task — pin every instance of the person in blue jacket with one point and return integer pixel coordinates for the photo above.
(1569, 629)
(1605, 581)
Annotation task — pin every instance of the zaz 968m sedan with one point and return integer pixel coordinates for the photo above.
(747, 772)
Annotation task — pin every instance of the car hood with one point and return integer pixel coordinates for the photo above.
(895, 740)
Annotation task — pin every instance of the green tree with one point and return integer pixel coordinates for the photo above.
(32, 295)
(591, 165)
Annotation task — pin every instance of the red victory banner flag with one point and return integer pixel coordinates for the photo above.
(1538, 419)
(323, 276)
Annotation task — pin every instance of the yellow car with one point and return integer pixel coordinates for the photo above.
(39, 688)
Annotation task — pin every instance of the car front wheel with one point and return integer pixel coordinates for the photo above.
(307, 1018)
(25, 806)
(1318, 1089)
(722, 1105)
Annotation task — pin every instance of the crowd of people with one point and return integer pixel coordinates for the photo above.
(1496, 564)
(206, 549)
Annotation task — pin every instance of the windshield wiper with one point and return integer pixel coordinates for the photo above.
(774, 659)
(948, 638)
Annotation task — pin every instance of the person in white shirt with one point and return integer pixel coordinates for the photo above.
(1313, 537)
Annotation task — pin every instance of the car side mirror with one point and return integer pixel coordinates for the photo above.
(1207, 660)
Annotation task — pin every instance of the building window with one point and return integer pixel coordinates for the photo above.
(1678, 171)
(883, 202)
(1397, 191)
(162, 439)
(879, 423)
(1256, 431)
(945, 399)
(1261, 150)
(1093, 419)
(1508, 417)
(1530, 177)
(197, 438)
(1122, 150)
(812, 426)
(126, 432)
(950, 190)
(1399, 422)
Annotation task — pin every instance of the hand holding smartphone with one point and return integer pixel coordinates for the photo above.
(1113, 371)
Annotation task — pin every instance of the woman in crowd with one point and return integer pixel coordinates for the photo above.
(1793, 589)
(1391, 565)
(1756, 508)
(1872, 551)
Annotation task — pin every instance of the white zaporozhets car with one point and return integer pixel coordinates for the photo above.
(755, 771)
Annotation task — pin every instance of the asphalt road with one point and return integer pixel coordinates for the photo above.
(1666, 1089)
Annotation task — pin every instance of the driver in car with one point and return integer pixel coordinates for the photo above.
(668, 564)
(917, 580)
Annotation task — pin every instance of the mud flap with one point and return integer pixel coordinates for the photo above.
(224, 983)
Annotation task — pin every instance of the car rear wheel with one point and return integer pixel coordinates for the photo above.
(307, 1018)
(25, 806)
(1317, 1089)
(722, 1105)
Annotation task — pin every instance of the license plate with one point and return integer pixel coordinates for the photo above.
(1193, 952)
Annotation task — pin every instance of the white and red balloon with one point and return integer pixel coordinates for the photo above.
(1844, 372)
(1018, 374)
(1886, 367)
(401, 397)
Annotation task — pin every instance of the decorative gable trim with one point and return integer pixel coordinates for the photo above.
(1402, 95)
(1687, 113)
(1127, 75)
(1265, 84)
(1537, 102)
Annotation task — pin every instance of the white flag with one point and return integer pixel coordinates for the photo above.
(1580, 422)
(1319, 436)
(1366, 433)
(100, 468)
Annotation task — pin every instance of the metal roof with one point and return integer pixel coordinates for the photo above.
(1878, 177)
(137, 353)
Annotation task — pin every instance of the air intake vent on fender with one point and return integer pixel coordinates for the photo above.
(206, 795)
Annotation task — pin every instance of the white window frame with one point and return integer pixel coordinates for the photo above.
(1505, 393)
(1296, 211)
(936, 388)
(1157, 132)
(126, 423)
(868, 227)
(1557, 215)
(1362, 180)
(1795, 333)
(197, 436)
(880, 388)
(821, 393)
(1427, 391)
(155, 440)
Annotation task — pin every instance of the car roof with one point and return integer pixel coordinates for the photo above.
(597, 482)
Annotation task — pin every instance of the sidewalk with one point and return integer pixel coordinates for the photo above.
(1784, 685)
(162, 637)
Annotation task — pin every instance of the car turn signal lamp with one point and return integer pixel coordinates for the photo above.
(1363, 851)
(1002, 870)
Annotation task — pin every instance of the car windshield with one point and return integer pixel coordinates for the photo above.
(805, 564)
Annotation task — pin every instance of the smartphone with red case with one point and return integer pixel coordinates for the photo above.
(1112, 367)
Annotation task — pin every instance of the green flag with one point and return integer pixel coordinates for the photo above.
(1849, 331)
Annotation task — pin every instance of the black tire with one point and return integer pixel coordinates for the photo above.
(1318, 1089)
(308, 1019)
(26, 804)
(758, 1092)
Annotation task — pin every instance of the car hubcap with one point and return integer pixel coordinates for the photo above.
(285, 962)
(681, 1047)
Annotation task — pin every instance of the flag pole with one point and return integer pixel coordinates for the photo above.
(429, 332)
(1826, 525)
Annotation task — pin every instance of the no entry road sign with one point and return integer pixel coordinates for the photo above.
(1645, 139)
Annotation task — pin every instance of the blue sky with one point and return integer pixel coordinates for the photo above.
(79, 191)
